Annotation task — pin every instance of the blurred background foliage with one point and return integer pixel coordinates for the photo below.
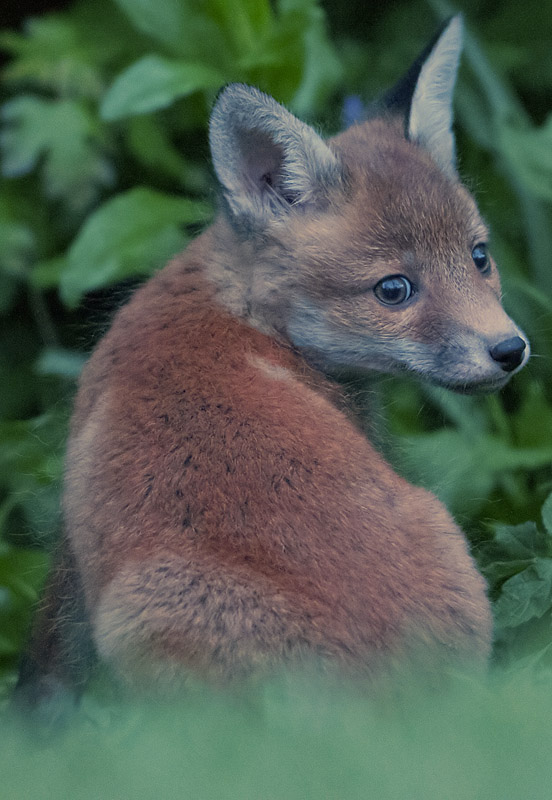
(104, 174)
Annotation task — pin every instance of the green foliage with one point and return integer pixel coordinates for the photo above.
(519, 569)
(295, 739)
(153, 83)
(103, 176)
(128, 235)
(67, 136)
(30, 470)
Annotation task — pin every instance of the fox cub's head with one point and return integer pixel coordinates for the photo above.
(365, 251)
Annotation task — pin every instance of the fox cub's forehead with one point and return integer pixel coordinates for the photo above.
(399, 194)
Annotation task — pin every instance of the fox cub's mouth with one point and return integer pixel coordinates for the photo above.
(476, 378)
(483, 386)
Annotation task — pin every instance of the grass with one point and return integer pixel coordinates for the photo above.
(295, 739)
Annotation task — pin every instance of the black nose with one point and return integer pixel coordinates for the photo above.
(508, 353)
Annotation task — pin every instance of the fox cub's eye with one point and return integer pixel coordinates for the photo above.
(393, 290)
(481, 258)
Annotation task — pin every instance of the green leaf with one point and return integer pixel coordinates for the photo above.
(131, 234)
(514, 549)
(66, 134)
(322, 69)
(497, 571)
(245, 21)
(155, 82)
(463, 468)
(47, 274)
(61, 362)
(53, 54)
(547, 515)
(532, 423)
(31, 455)
(526, 596)
(163, 20)
(22, 573)
(448, 462)
(520, 541)
(529, 151)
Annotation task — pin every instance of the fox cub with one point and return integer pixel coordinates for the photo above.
(224, 512)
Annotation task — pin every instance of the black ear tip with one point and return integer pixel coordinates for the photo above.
(399, 97)
(229, 89)
(221, 91)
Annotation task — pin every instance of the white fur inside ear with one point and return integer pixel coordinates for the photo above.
(430, 121)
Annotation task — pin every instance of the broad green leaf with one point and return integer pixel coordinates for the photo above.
(53, 53)
(294, 60)
(497, 571)
(215, 33)
(526, 596)
(520, 541)
(322, 69)
(155, 82)
(66, 134)
(131, 234)
(287, 53)
(245, 22)
(73, 53)
(164, 20)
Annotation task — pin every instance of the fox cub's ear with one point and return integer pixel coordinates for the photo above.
(425, 96)
(265, 158)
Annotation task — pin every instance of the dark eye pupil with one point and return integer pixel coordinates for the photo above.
(481, 258)
(393, 290)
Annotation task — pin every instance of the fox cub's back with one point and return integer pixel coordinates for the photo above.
(224, 510)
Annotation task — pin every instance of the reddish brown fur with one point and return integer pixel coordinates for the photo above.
(223, 518)
(225, 511)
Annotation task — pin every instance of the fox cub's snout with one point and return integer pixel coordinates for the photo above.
(372, 254)
(224, 511)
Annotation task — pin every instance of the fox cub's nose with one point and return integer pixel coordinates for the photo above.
(509, 353)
